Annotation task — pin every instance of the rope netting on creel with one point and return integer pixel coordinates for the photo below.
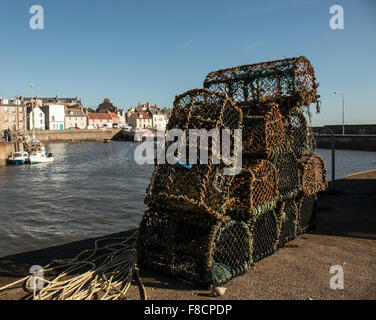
(263, 132)
(254, 190)
(200, 188)
(206, 253)
(288, 82)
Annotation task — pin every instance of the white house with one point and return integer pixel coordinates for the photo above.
(39, 119)
(55, 116)
(159, 119)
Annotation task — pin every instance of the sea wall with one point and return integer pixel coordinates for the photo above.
(77, 135)
(8, 147)
(347, 142)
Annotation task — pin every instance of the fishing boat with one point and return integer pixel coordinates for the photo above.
(18, 158)
(40, 157)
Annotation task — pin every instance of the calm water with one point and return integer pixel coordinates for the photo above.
(90, 190)
(348, 161)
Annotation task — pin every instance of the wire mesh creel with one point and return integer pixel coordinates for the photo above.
(207, 254)
(203, 188)
(253, 191)
(298, 132)
(288, 82)
(312, 174)
(264, 134)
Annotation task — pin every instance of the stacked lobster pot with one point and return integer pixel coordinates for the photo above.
(273, 96)
(206, 226)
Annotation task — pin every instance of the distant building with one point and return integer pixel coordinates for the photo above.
(97, 120)
(142, 107)
(158, 117)
(106, 106)
(75, 118)
(115, 118)
(36, 117)
(12, 114)
(128, 113)
(140, 119)
(44, 102)
(55, 116)
(122, 117)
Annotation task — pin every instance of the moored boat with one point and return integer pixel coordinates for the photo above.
(40, 157)
(18, 158)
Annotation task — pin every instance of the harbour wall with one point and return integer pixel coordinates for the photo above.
(347, 142)
(8, 147)
(76, 135)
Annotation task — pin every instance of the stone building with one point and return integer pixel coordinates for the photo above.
(12, 114)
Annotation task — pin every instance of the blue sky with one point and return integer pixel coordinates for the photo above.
(131, 51)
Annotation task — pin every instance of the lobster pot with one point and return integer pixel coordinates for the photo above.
(298, 131)
(201, 191)
(313, 174)
(200, 187)
(307, 213)
(204, 109)
(207, 254)
(253, 191)
(288, 176)
(288, 82)
(264, 231)
(288, 213)
(264, 134)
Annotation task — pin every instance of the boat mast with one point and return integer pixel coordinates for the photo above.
(32, 108)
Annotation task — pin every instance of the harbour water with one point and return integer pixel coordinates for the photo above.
(91, 189)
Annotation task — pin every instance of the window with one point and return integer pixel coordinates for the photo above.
(41, 121)
(20, 109)
(14, 119)
(53, 118)
(14, 110)
(6, 118)
(6, 110)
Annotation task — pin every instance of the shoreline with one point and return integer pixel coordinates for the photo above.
(345, 235)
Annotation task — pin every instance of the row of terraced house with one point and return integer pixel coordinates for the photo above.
(20, 114)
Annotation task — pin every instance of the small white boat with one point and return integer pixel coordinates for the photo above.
(18, 158)
(40, 157)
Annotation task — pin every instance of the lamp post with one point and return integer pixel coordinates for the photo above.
(343, 110)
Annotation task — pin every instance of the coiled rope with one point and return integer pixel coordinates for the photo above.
(103, 273)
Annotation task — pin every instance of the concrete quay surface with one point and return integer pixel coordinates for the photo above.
(345, 236)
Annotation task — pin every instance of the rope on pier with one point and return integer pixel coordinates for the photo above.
(103, 273)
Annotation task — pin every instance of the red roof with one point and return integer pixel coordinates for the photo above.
(114, 115)
(94, 115)
(144, 115)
